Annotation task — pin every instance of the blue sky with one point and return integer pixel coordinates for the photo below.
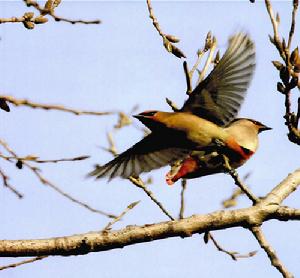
(115, 66)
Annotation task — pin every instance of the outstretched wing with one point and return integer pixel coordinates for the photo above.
(148, 154)
(218, 97)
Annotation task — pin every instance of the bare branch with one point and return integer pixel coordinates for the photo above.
(49, 10)
(284, 189)
(210, 44)
(29, 19)
(275, 39)
(286, 213)
(289, 73)
(257, 232)
(293, 23)
(182, 202)
(168, 40)
(139, 183)
(107, 240)
(233, 254)
(233, 173)
(188, 78)
(43, 180)
(36, 159)
(118, 218)
(22, 262)
(231, 201)
(208, 60)
(5, 179)
(99, 241)
(25, 102)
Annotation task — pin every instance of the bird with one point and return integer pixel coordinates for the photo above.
(200, 125)
(201, 163)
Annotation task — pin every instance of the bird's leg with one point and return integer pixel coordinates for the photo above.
(227, 166)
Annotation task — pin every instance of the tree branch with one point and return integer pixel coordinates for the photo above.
(275, 261)
(22, 262)
(168, 40)
(106, 240)
(44, 181)
(25, 102)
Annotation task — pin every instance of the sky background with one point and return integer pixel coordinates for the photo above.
(115, 66)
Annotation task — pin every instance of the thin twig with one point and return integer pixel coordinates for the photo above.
(233, 173)
(200, 54)
(118, 218)
(208, 60)
(275, 261)
(168, 40)
(23, 262)
(154, 19)
(43, 180)
(288, 71)
(139, 183)
(50, 11)
(5, 179)
(188, 78)
(233, 254)
(182, 202)
(25, 102)
(34, 158)
(172, 104)
(276, 39)
(293, 23)
(232, 200)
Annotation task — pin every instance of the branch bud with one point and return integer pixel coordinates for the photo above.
(280, 87)
(172, 38)
(28, 16)
(28, 24)
(295, 56)
(277, 18)
(3, 105)
(277, 65)
(40, 20)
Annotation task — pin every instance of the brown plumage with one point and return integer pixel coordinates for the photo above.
(199, 124)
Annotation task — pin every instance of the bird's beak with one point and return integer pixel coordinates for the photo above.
(264, 127)
(138, 116)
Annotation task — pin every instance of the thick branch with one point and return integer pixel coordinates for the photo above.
(284, 189)
(106, 240)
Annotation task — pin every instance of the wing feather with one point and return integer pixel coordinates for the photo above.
(218, 97)
(148, 154)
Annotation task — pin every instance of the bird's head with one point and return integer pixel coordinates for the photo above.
(260, 126)
(249, 123)
(149, 118)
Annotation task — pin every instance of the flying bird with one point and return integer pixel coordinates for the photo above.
(200, 125)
